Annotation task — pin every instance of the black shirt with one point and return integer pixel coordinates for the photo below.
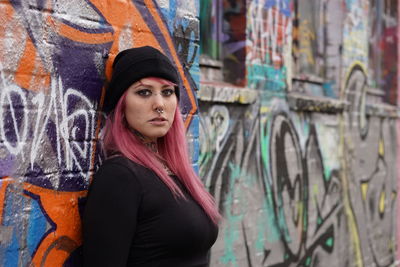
(131, 218)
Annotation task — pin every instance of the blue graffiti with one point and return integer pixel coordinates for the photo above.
(282, 5)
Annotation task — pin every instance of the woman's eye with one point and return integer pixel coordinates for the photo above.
(144, 92)
(168, 92)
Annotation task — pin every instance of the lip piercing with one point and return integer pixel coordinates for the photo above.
(160, 110)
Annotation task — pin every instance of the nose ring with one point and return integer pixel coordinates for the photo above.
(159, 110)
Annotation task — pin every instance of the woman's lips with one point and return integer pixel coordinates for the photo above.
(158, 121)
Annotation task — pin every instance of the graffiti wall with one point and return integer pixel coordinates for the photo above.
(268, 32)
(54, 59)
(306, 174)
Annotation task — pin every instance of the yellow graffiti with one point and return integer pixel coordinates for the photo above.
(382, 202)
(355, 44)
(265, 109)
(355, 64)
(381, 148)
(351, 221)
(305, 36)
(364, 190)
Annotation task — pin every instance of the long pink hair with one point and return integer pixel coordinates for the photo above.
(172, 148)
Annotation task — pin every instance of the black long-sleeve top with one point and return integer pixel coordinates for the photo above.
(131, 218)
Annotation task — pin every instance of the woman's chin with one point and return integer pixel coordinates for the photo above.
(155, 135)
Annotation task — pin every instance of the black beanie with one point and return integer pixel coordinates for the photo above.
(134, 64)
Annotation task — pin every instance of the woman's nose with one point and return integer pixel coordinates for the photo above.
(158, 100)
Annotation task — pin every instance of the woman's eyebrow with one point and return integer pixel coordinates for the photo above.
(143, 84)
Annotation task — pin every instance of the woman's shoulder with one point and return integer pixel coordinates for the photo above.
(119, 164)
(116, 169)
(116, 175)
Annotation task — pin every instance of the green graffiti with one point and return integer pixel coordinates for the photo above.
(273, 233)
(260, 235)
(266, 77)
(233, 221)
(329, 242)
(204, 158)
(319, 221)
(308, 261)
(265, 144)
(327, 173)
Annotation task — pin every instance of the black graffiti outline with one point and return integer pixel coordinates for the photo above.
(303, 256)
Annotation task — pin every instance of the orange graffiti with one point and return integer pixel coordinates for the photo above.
(4, 182)
(78, 36)
(62, 209)
(31, 74)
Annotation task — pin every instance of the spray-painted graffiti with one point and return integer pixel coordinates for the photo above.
(302, 187)
(317, 38)
(278, 180)
(371, 169)
(39, 226)
(25, 134)
(305, 33)
(355, 34)
(269, 28)
(259, 169)
(305, 208)
(53, 62)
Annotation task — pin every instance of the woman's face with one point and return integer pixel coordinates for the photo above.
(150, 107)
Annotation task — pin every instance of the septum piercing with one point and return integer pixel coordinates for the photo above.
(159, 110)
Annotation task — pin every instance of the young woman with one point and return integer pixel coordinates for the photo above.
(146, 206)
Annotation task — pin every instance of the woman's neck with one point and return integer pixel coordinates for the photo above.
(151, 144)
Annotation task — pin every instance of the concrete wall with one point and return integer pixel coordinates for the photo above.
(302, 159)
(54, 58)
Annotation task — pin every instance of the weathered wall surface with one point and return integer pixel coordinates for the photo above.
(54, 58)
(302, 160)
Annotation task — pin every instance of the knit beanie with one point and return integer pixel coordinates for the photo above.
(134, 64)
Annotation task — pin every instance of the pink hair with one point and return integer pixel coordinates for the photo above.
(172, 148)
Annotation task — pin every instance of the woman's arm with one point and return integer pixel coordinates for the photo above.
(110, 216)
